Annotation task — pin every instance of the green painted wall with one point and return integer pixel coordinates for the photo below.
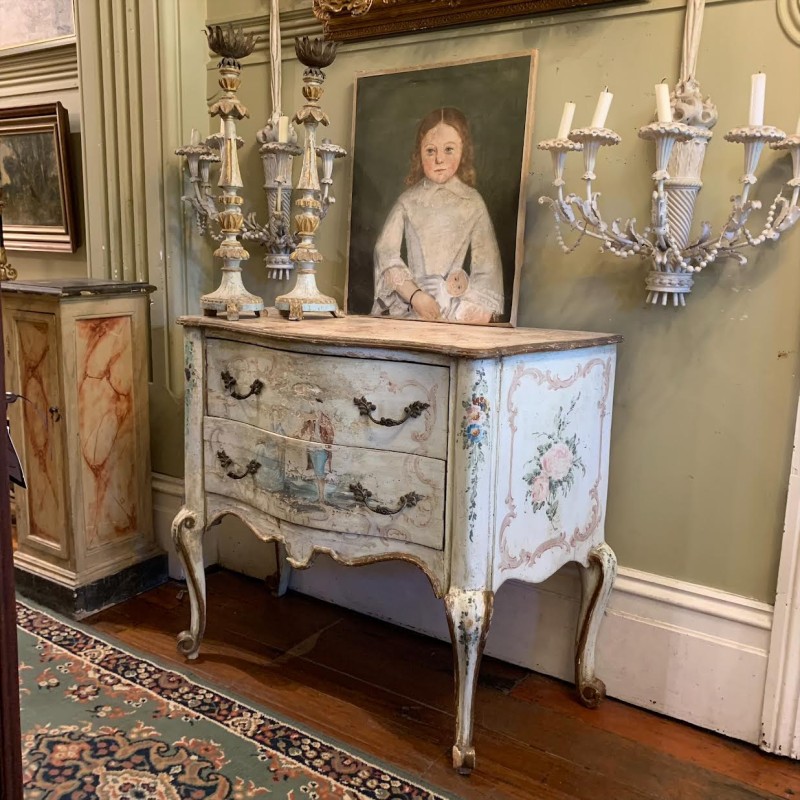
(706, 396)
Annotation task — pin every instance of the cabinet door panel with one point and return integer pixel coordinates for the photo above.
(41, 508)
(309, 396)
(310, 484)
(107, 428)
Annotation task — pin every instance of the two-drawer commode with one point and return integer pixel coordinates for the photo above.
(479, 454)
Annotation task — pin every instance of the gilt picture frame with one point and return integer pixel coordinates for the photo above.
(35, 178)
(417, 231)
(353, 20)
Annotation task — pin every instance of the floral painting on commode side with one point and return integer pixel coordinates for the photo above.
(436, 220)
(552, 471)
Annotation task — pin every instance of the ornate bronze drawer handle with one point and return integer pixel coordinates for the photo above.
(365, 409)
(226, 462)
(230, 386)
(364, 496)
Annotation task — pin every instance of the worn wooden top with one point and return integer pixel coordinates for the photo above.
(469, 341)
(75, 287)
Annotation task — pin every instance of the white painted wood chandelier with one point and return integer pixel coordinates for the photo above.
(681, 134)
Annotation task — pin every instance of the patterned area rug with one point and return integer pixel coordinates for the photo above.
(101, 722)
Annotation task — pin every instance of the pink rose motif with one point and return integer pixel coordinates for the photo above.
(557, 461)
(540, 488)
(474, 414)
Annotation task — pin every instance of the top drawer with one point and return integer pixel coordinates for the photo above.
(313, 397)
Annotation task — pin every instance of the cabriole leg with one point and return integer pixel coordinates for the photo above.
(469, 614)
(187, 534)
(596, 582)
(283, 571)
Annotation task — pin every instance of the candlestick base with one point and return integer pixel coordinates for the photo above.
(305, 298)
(231, 298)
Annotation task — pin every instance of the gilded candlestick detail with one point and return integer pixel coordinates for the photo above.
(231, 298)
(314, 194)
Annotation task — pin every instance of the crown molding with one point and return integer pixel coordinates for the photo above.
(39, 70)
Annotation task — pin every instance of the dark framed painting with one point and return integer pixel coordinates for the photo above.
(351, 20)
(35, 178)
(440, 161)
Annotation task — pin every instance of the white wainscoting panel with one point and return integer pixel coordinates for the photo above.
(691, 652)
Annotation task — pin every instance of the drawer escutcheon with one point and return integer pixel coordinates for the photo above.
(364, 496)
(230, 386)
(365, 409)
(226, 462)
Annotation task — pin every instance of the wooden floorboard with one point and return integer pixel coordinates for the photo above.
(389, 692)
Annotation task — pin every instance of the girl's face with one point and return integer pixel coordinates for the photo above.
(441, 153)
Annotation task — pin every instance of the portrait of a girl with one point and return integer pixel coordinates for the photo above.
(437, 256)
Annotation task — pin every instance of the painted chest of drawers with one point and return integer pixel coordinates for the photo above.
(478, 454)
(76, 351)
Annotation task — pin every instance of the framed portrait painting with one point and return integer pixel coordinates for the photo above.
(35, 178)
(35, 24)
(440, 158)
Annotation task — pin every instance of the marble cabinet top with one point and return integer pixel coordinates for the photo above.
(467, 341)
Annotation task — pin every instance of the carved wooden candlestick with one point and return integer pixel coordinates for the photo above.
(231, 298)
(315, 197)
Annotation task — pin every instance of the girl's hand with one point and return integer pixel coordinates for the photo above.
(425, 306)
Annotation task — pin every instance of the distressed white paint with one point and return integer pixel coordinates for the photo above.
(293, 475)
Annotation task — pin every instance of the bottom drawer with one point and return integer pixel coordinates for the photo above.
(350, 490)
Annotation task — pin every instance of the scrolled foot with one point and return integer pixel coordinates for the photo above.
(591, 692)
(188, 645)
(187, 534)
(597, 580)
(339, 313)
(463, 759)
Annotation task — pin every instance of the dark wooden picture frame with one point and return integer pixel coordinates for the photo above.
(35, 177)
(391, 109)
(351, 20)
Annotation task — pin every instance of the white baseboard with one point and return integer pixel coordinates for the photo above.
(691, 652)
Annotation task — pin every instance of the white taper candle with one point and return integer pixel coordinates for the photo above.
(758, 92)
(283, 129)
(601, 111)
(663, 107)
(566, 121)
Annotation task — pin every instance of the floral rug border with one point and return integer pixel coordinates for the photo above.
(271, 734)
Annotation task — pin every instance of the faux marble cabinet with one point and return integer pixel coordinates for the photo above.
(77, 353)
(478, 454)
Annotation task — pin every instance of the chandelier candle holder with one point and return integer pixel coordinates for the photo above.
(231, 298)
(681, 135)
(278, 148)
(7, 272)
(314, 193)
